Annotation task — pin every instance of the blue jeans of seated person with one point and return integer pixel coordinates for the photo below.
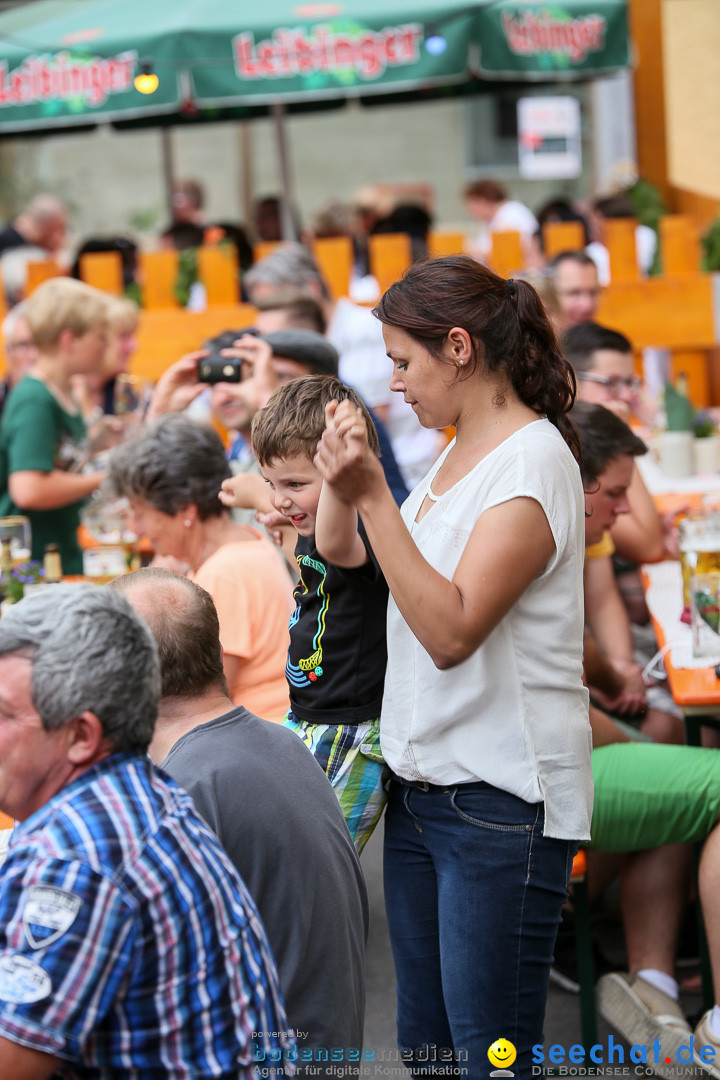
(473, 893)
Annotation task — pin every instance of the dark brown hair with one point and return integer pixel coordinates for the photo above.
(293, 420)
(580, 343)
(486, 189)
(506, 321)
(604, 437)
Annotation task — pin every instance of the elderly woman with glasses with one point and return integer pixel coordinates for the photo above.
(171, 477)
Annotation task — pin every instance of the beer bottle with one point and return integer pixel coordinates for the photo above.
(52, 565)
(6, 565)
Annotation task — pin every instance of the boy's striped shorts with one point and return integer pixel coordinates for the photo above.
(349, 755)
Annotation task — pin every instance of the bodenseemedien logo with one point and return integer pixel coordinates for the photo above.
(501, 1054)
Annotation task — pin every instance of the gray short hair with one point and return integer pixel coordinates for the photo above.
(89, 651)
(175, 463)
(11, 319)
(291, 264)
(45, 207)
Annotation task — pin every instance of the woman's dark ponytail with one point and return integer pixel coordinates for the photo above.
(544, 380)
(506, 317)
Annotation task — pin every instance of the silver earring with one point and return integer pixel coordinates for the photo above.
(461, 362)
(187, 521)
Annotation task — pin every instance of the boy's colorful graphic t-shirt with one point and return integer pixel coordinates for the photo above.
(337, 655)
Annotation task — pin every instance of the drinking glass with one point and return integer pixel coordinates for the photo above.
(705, 604)
(699, 543)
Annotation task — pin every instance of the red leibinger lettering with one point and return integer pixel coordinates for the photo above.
(322, 50)
(531, 34)
(59, 77)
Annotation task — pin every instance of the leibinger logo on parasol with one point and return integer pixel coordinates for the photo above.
(613, 1060)
(531, 34)
(323, 50)
(61, 77)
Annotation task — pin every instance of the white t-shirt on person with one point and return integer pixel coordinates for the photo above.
(515, 713)
(511, 216)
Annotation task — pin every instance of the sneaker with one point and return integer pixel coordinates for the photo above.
(641, 1013)
(704, 1036)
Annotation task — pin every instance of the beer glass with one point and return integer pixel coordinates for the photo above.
(705, 604)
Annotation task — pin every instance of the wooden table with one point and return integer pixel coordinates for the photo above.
(697, 692)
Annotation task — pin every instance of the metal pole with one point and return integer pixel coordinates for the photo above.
(168, 167)
(244, 145)
(288, 225)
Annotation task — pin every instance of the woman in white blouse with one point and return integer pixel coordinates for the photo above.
(484, 721)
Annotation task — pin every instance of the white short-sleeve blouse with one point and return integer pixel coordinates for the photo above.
(515, 713)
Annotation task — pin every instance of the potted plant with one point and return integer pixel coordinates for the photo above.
(675, 444)
(22, 574)
(706, 447)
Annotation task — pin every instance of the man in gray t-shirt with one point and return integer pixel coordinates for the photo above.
(271, 805)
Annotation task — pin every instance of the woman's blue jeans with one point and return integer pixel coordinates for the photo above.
(473, 893)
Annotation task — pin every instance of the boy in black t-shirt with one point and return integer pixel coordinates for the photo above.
(337, 655)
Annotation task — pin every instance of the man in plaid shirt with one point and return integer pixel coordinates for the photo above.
(129, 946)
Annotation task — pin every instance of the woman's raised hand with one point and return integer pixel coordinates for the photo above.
(344, 458)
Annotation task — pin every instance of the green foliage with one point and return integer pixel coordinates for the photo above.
(23, 574)
(703, 424)
(187, 275)
(133, 292)
(145, 220)
(711, 246)
(647, 202)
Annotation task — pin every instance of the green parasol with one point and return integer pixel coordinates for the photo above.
(65, 63)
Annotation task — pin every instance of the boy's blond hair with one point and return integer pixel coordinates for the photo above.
(293, 420)
(63, 304)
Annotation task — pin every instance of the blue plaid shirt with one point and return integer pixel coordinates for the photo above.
(128, 943)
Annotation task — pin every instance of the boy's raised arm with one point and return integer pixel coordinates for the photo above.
(336, 526)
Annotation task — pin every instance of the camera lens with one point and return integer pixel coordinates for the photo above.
(215, 369)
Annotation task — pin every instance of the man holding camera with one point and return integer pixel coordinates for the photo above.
(243, 383)
(243, 369)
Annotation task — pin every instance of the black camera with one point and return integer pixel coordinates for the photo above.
(216, 368)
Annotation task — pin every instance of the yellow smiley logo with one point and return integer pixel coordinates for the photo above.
(502, 1053)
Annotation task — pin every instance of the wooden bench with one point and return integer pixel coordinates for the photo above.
(676, 309)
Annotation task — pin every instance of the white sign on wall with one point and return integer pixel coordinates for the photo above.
(549, 146)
